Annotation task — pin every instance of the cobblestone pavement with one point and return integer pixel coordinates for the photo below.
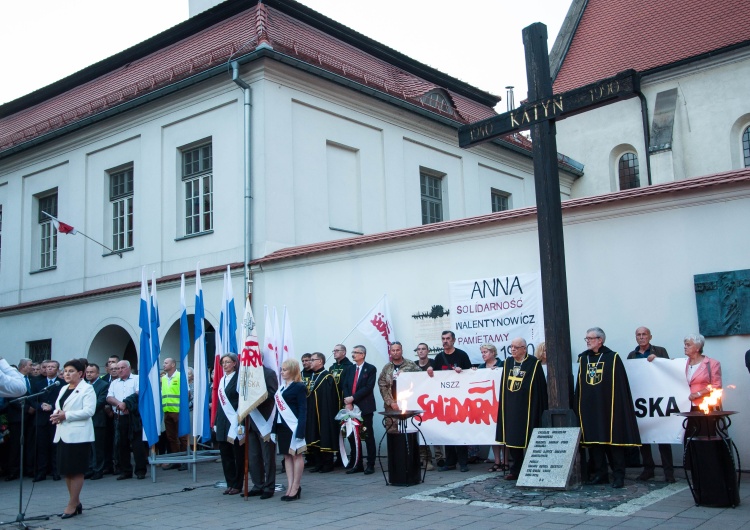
(337, 500)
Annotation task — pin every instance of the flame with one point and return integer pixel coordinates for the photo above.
(403, 396)
(711, 400)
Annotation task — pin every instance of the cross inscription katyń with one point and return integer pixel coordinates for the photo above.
(539, 115)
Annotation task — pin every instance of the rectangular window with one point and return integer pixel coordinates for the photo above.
(47, 232)
(39, 350)
(197, 165)
(1, 233)
(500, 201)
(432, 198)
(121, 197)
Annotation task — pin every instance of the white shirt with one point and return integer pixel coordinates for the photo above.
(122, 388)
(12, 382)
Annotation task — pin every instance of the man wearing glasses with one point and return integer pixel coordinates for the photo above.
(358, 383)
(523, 399)
(322, 407)
(605, 408)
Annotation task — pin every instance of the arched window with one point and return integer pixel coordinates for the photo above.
(438, 100)
(627, 171)
(746, 146)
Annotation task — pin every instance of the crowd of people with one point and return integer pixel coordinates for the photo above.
(82, 424)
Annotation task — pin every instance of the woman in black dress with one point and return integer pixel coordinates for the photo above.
(228, 432)
(74, 408)
(291, 407)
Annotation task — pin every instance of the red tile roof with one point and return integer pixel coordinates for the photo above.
(232, 37)
(719, 179)
(617, 35)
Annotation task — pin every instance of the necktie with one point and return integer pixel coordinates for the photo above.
(28, 386)
(356, 377)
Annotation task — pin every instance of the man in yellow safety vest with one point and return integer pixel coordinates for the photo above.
(170, 402)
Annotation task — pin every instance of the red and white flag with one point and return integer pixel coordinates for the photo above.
(61, 227)
(377, 326)
(287, 344)
(270, 346)
(251, 384)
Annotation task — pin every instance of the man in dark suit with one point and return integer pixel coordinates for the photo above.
(359, 383)
(98, 446)
(262, 449)
(110, 456)
(44, 404)
(646, 350)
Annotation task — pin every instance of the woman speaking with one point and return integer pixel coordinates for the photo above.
(74, 433)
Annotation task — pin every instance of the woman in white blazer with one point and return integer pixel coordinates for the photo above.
(74, 408)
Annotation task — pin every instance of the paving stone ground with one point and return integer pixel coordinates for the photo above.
(476, 499)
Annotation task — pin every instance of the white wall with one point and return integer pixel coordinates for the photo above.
(706, 139)
(629, 263)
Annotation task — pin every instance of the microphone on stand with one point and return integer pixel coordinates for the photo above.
(56, 383)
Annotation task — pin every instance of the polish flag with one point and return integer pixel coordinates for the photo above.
(61, 227)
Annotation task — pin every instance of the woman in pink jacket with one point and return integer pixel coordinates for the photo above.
(703, 373)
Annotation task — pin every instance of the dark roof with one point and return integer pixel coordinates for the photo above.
(601, 38)
(229, 30)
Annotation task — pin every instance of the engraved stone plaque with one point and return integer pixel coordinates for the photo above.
(550, 458)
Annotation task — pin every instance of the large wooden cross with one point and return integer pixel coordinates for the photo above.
(539, 115)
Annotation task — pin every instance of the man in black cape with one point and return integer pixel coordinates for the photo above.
(604, 407)
(322, 407)
(523, 399)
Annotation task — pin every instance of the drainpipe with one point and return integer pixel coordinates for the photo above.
(247, 92)
(646, 133)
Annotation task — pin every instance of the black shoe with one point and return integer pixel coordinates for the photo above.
(266, 495)
(670, 479)
(97, 476)
(56, 477)
(446, 468)
(358, 469)
(39, 478)
(183, 467)
(647, 474)
(440, 462)
(255, 493)
(140, 476)
(125, 476)
(325, 469)
(618, 483)
(596, 481)
(88, 475)
(369, 470)
(464, 468)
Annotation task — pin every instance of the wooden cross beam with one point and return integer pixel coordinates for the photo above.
(539, 116)
(555, 107)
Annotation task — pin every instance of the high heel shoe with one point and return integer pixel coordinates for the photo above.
(78, 511)
(292, 497)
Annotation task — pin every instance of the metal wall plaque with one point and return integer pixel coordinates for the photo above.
(723, 302)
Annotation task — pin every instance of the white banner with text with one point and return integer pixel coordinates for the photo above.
(497, 310)
(461, 408)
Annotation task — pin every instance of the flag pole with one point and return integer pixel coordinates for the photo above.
(360, 320)
(247, 418)
(112, 251)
